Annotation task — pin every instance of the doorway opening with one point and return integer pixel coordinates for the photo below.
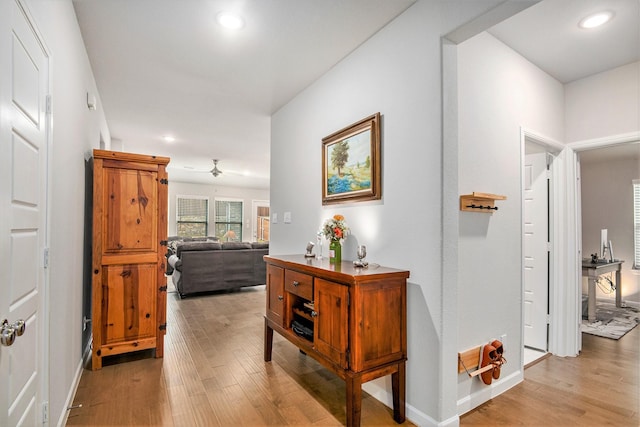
(607, 205)
(261, 221)
(538, 156)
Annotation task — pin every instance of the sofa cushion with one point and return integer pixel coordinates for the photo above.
(260, 245)
(198, 246)
(175, 262)
(230, 246)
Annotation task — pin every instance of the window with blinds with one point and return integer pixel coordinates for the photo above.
(228, 220)
(192, 216)
(636, 222)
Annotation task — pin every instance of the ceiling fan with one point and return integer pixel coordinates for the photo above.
(215, 171)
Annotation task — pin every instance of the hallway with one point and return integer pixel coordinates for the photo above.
(213, 374)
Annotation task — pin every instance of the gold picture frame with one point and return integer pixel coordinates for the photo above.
(351, 163)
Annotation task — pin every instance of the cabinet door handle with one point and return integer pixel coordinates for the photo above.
(280, 297)
(295, 283)
(314, 313)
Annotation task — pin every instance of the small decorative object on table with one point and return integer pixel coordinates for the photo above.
(309, 253)
(335, 229)
(361, 253)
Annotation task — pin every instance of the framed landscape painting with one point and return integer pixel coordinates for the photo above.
(351, 163)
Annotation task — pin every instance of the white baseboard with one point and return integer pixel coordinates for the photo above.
(64, 416)
(414, 415)
(484, 394)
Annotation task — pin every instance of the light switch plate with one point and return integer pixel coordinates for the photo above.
(274, 218)
(287, 218)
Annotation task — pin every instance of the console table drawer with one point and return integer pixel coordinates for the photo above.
(299, 284)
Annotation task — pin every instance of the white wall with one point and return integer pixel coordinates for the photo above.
(76, 130)
(247, 195)
(498, 93)
(607, 202)
(398, 73)
(603, 105)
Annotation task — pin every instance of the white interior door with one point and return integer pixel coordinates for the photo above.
(23, 179)
(536, 250)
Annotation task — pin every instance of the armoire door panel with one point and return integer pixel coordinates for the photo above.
(129, 310)
(130, 223)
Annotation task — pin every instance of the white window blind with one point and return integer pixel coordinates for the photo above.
(192, 214)
(636, 222)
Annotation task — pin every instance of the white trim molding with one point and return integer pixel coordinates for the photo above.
(565, 301)
(607, 141)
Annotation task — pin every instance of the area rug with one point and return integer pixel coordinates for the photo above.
(611, 321)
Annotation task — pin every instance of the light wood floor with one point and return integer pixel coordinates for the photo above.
(598, 388)
(213, 374)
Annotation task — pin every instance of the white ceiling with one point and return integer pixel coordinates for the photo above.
(164, 67)
(547, 34)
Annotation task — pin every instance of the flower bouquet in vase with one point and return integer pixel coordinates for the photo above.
(335, 229)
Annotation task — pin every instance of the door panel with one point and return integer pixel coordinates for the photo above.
(23, 171)
(379, 334)
(331, 323)
(275, 294)
(130, 302)
(536, 260)
(130, 202)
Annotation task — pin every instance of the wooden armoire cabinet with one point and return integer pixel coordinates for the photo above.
(128, 254)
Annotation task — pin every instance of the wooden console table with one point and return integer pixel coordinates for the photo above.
(592, 271)
(351, 320)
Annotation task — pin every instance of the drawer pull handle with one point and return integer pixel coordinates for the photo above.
(280, 297)
(295, 283)
(314, 313)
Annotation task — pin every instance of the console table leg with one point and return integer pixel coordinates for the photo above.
(399, 388)
(618, 287)
(591, 307)
(268, 341)
(354, 400)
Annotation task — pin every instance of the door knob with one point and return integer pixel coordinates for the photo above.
(7, 334)
(19, 326)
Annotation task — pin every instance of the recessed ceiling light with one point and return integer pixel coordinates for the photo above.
(596, 20)
(168, 138)
(230, 20)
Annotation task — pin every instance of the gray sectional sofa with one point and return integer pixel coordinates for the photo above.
(204, 266)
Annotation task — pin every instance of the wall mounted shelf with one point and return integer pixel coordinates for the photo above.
(469, 362)
(480, 202)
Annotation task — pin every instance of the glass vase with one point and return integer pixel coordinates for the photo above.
(335, 252)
